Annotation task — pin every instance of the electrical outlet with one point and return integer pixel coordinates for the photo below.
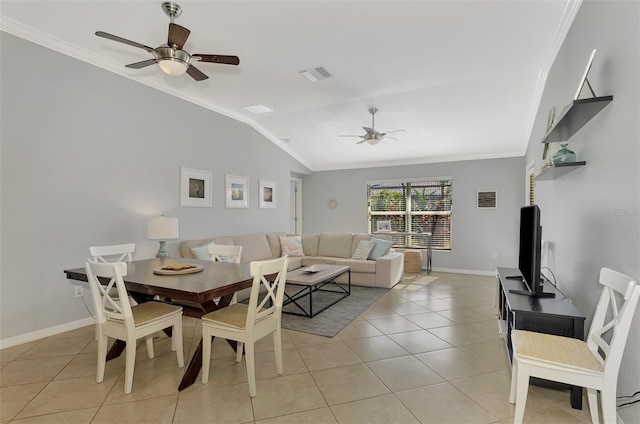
(78, 291)
(494, 255)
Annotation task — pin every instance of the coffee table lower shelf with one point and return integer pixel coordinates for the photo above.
(312, 283)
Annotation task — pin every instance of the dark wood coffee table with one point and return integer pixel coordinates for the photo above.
(322, 280)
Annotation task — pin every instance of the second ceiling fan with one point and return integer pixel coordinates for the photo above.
(170, 56)
(372, 136)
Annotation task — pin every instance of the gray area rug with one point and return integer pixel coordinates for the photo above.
(331, 321)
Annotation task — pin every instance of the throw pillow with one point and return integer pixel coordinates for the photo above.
(381, 247)
(201, 252)
(291, 246)
(363, 250)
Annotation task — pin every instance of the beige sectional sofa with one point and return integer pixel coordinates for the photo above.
(325, 248)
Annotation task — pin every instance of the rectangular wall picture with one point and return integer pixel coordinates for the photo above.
(487, 199)
(236, 191)
(195, 188)
(268, 194)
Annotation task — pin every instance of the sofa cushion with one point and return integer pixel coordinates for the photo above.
(357, 238)
(255, 247)
(368, 267)
(274, 243)
(381, 248)
(291, 246)
(201, 252)
(310, 244)
(363, 250)
(337, 245)
(313, 260)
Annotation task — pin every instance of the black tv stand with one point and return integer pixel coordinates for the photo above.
(528, 293)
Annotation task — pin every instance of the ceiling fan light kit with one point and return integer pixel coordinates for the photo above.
(172, 61)
(170, 57)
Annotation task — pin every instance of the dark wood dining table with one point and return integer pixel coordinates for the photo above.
(197, 293)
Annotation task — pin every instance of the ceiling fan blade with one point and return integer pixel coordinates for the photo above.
(387, 138)
(177, 35)
(196, 74)
(216, 58)
(389, 132)
(143, 64)
(346, 135)
(362, 141)
(123, 40)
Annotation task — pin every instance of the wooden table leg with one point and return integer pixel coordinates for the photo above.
(116, 350)
(195, 364)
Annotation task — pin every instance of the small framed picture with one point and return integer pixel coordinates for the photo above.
(236, 191)
(487, 199)
(383, 226)
(268, 194)
(195, 188)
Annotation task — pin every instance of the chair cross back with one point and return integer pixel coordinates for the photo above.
(99, 253)
(609, 353)
(113, 308)
(225, 253)
(274, 294)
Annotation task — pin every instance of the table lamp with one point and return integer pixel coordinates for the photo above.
(162, 229)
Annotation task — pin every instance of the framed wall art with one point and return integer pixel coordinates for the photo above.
(268, 194)
(195, 188)
(236, 191)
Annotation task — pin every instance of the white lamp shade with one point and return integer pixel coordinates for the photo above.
(162, 228)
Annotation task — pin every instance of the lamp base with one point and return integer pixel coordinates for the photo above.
(162, 252)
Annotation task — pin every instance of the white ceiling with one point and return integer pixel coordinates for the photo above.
(463, 78)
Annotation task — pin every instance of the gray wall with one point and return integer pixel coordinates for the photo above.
(476, 232)
(87, 156)
(592, 216)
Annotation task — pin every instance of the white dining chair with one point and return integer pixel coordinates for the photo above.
(593, 364)
(225, 253)
(116, 318)
(247, 323)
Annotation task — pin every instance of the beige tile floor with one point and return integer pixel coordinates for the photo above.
(424, 353)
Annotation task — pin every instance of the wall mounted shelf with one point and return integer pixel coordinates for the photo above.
(574, 117)
(558, 170)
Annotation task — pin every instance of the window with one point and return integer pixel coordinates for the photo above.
(413, 209)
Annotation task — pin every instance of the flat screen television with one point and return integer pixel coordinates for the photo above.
(530, 253)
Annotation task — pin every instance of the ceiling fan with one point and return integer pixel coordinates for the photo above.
(372, 136)
(170, 56)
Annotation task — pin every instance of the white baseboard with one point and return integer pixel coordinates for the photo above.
(464, 271)
(46, 332)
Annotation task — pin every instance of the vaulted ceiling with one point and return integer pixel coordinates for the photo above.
(462, 78)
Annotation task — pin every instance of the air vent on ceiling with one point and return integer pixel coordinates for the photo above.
(316, 74)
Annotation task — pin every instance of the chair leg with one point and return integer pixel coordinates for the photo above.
(514, 381)
(130, 352)
(608, 398)
(239, 349)
(592, 396)
(149, 340)
(176, 339)
(206, 354)
(102, 357)
(251, 367)
(521, 392)
(277, 347)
